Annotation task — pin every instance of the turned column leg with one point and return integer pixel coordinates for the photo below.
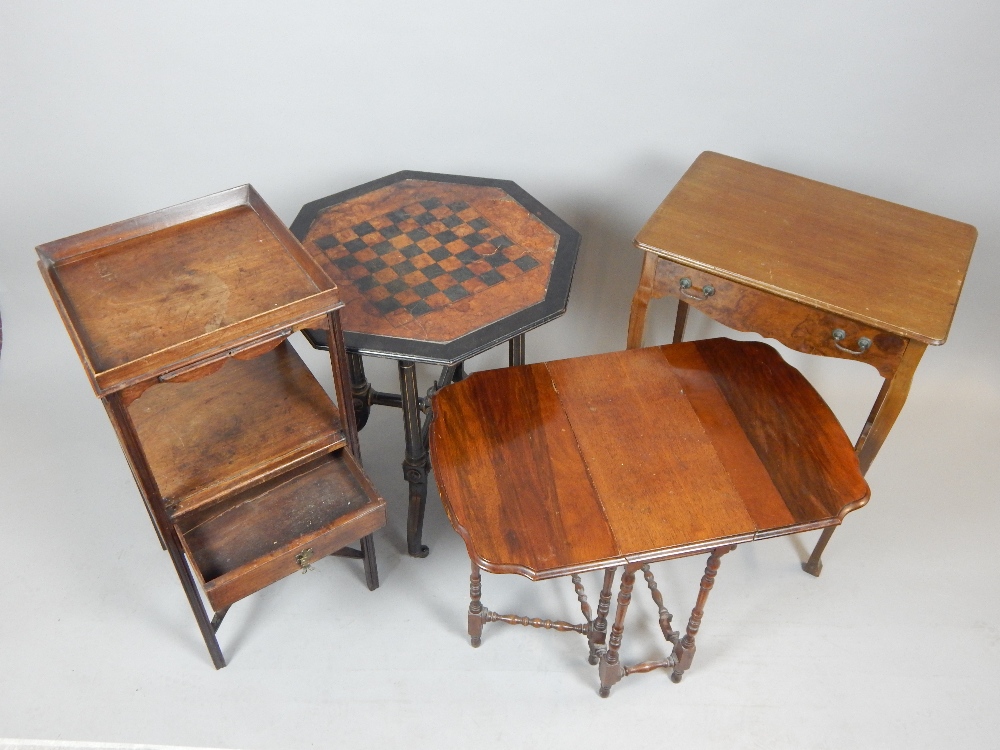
(611, 670)
(665, 618)
(475, 607)
(371, 566)
(684, 650)
(516, 351)
(415, 462)
(361, 389)
(599, 628)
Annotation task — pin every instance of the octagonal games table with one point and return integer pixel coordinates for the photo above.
(435, 268)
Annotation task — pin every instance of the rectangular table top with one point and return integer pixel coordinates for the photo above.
(896, 268)
(154, 292)
(641, 455)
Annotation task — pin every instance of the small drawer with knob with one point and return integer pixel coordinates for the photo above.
(243, 543)
(794, 324)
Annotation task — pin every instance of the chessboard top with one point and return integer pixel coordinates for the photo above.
(438, 268)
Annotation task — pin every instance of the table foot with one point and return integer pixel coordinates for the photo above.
(611, 671)
(814, 565)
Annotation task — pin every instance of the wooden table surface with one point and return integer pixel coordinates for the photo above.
(635, 456)
(157, 292)
(895, 268)
(437, 268)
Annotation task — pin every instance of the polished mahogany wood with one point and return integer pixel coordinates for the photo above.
(151, 294)
(248, 470)
(435, 268)
(797, 326)
(822, 270)
(511, 475)
(725, 443)
(281, 527)
(894, 268)
(253, 419)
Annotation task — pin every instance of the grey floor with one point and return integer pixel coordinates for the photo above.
(113, 109)
(897, 644)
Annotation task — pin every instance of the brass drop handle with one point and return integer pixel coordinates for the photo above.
(706, 291)
(303, 559)
(864, 343)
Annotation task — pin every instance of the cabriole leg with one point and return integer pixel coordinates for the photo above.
(640, 302)
(814, 565)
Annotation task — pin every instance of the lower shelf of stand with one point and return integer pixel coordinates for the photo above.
(242, 544)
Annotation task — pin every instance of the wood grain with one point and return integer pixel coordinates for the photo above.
(659, 452)
(254, 540)
(894, 268)
(797, 438)
(797, 326)
(663, 485)
(211, 436)
(159, 291)
(453, 319)
(511, 477)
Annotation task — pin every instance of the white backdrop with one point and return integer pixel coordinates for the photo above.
(112, 109)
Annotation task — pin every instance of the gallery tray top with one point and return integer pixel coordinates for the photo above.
(161, 291)
(437, 268)
(896, 268)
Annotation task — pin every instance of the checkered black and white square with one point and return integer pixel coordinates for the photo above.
(423, 257)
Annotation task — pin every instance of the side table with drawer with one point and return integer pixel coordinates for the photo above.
(248, 469)
(821, 269)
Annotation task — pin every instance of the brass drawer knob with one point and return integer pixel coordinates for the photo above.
(303, 559)
(864, 343)
(706, 291)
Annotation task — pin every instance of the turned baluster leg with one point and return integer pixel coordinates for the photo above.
(611, 670)
(599, 628)
(581, 596)
(415, 462)
(684, 650)
(475, 607)
(665, 617)
(361, 389)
